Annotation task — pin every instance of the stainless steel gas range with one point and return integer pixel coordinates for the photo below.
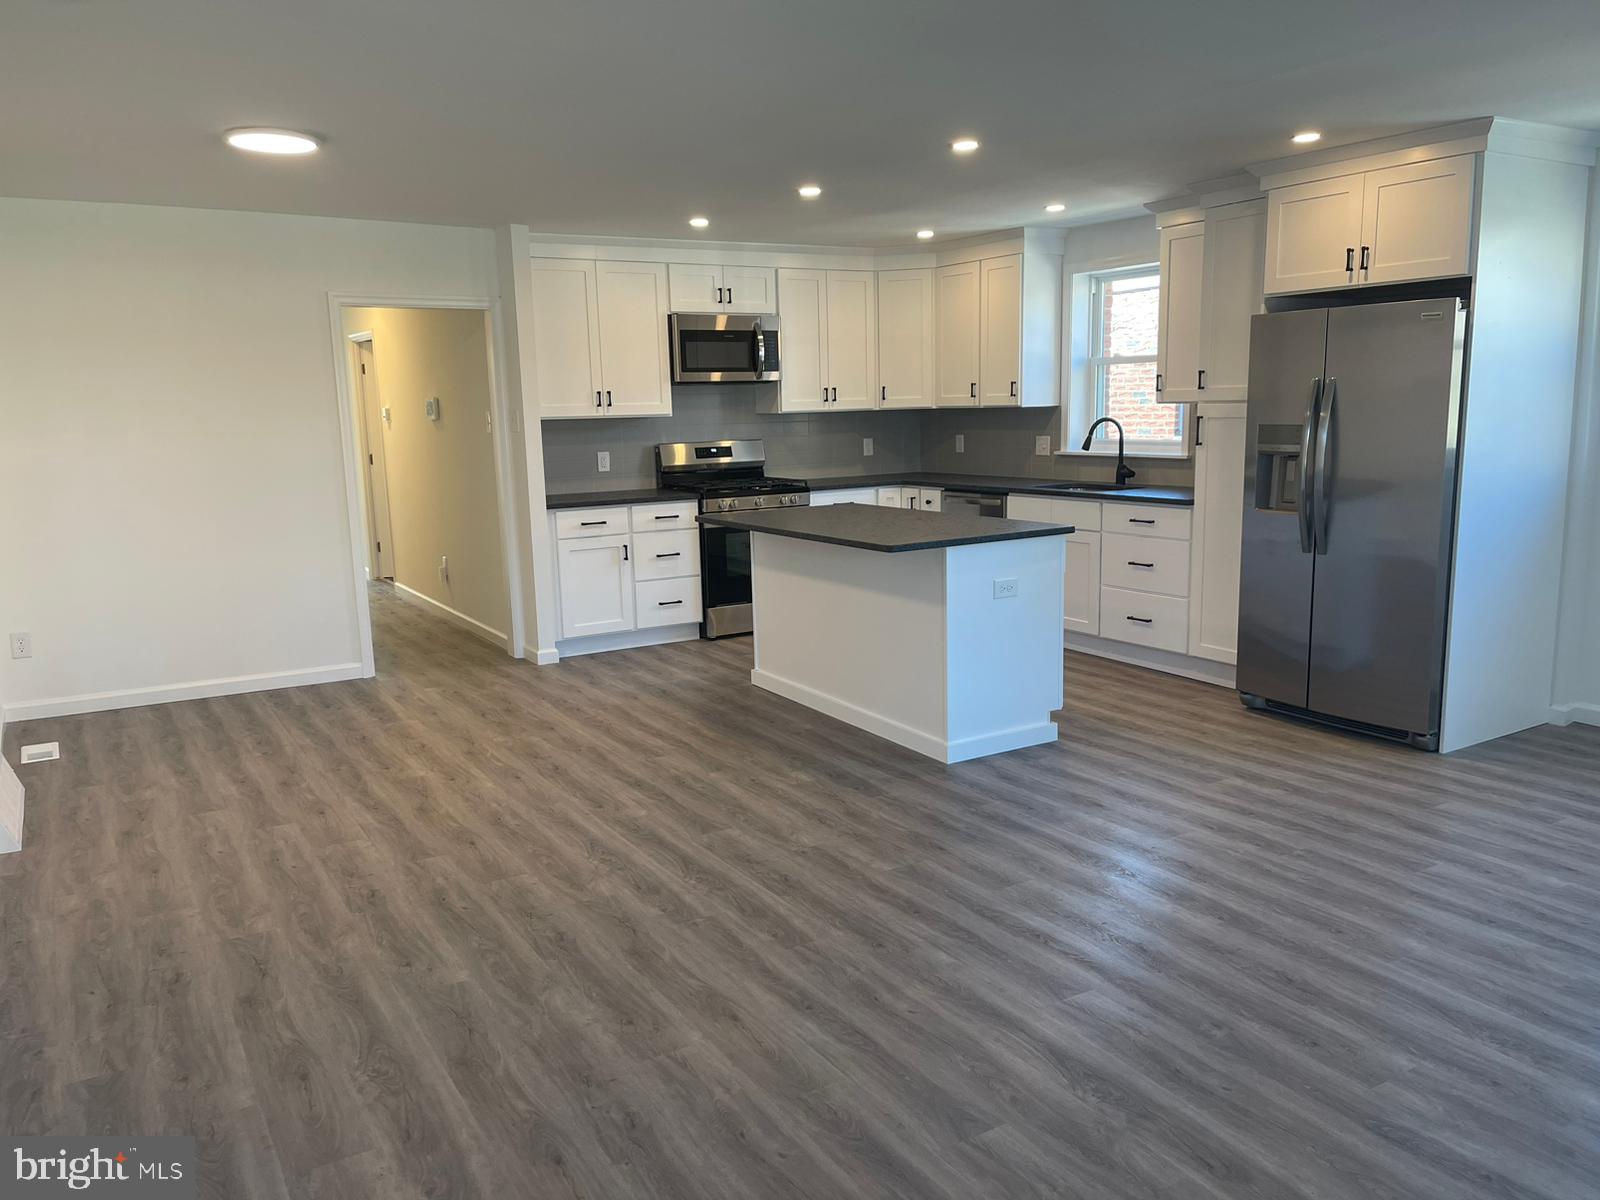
(727, 476)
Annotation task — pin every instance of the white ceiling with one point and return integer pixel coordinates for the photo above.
(624, 117)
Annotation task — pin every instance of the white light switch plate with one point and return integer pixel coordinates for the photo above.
(1041, 444)
(603, 460)
(866, 447)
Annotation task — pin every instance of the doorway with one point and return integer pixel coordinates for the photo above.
(428, 470)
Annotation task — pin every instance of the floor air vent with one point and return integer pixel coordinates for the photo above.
(41, 752)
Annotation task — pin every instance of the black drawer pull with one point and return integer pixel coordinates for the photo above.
(1142, 620)
(1350, 259)
(594, 522)
(1146, 566)
(667, 603)
(1141, 521)
(669, 516)
(674, 554)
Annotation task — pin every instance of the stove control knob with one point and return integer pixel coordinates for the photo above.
(724, 505)
(761, 501)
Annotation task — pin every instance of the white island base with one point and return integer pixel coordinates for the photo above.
(922, 647)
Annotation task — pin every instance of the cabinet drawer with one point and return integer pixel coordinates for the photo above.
(667, 601)
(675, 514)
(1139, 617)
(1147, 520)
(1145, 564)
(590, 522)
(666, 555)
(1082, 514)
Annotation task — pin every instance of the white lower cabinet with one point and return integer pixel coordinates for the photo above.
(596, 576)
(845, 496)
(1218, 533)
(626, 568)
(1083, 584)
(927, 499)
(1145, 619)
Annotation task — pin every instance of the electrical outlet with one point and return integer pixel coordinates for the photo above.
(430, 408)
(444, 568)
(22, 645)
(866, 447)
(1041, 444)
(602, 461)
(961, 443)
(1005, 589)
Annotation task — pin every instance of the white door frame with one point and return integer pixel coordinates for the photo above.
(355, 493)
(366, 393)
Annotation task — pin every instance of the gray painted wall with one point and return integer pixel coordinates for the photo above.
(796, 443)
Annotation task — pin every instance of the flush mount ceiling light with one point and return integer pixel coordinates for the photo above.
(1055, 206)
(809, 190)
(924, 234)
(964, 145)
(271, 141)
(699, 222)
(1306, 136)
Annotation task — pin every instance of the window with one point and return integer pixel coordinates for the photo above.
(1124, 309)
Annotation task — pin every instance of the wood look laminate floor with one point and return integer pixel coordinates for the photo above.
(629, 927)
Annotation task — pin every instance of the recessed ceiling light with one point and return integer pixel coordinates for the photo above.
(699, 222)
(1055, 206)
(964, 145)
(924, 234)
(271, 141)
(810, 191)
(1306, 137)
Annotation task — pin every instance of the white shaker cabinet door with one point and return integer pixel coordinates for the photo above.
(803, 310)
(956, 314)
(1417, 221)
(596, 583)
(1000, 332)
(1178, 362)
(634, 368)
(566, 339)
(1314, 234)
(852, 380)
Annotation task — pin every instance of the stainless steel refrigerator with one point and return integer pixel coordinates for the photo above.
(1349, 513)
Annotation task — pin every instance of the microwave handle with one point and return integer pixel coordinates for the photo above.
(761, 350)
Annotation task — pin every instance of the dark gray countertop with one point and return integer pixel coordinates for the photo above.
(1000, 484)
(885, 530)
(991, 484)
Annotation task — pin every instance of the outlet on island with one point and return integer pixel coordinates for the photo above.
(1005, 589)
(866, 447)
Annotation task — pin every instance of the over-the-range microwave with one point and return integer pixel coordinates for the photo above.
(723, 348)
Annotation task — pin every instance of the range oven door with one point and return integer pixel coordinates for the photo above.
(723, 348)
(725, 582)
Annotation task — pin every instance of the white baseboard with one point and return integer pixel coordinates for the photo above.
(1575, 714)
(454, 616)
(201, 689)
(628, 639)
(1202, 669)
(900, 734)
(11, 796)
(542, 657)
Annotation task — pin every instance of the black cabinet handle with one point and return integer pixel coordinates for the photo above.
(1202, 379)
(1146, 566)
(667, 603)
(1197, 421)
(974, 393)
(1013, 389)
(1142, 620)
(730, 295)
(608, 398)
(674, 554)
(719, 295)
(1366, 258)
(597, 399)
(883, 395)
(1141, 521)
(669, 516)
(594, 522)
(624, 551)
(1160, 382)
(1349, 259)
(835, 392)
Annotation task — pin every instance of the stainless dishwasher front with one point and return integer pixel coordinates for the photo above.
(978, 504)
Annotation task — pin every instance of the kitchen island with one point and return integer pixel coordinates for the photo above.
(938, 631)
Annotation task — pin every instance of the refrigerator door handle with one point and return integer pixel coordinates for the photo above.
(1324, 427)
(1307, 540)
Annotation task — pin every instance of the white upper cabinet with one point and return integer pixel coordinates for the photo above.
(906, 338)
(1314, 234)
(1417, 221)
(1235, 247)
(1000, 332)
(1390, 225)
(957, 319)
(852, 340)
(750, 289)
(1178, 365)
(565, 320)
(634, 368)
(803, 303)
(711, 288)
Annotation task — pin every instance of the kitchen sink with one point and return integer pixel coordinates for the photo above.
(1070, 486)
